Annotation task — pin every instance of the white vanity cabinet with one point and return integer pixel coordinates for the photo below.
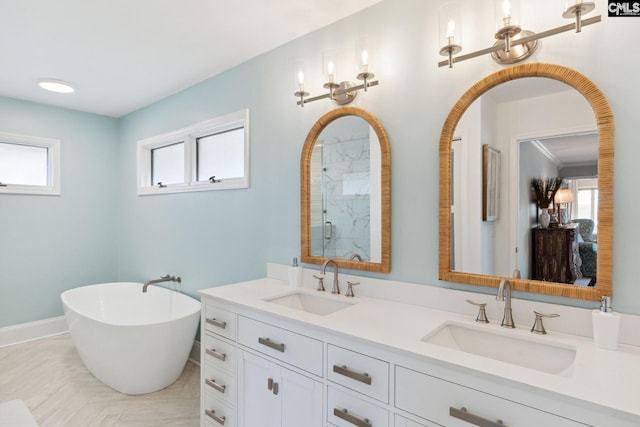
(263, 368)
(252, 373)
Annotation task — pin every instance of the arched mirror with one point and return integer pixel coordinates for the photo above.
(525, 123)
(345, 191)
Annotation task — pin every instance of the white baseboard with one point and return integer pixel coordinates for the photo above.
(30, 331)
(25, 332)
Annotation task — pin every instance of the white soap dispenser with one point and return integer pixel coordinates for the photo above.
(606, 325)
(295, 274)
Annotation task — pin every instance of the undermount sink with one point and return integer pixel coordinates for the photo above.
(310, 303)
(531, 353)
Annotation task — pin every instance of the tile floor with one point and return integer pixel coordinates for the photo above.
(60, 392)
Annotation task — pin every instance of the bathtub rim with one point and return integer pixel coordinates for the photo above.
(67, 306)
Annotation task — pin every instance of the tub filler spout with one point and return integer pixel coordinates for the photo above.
(167, 278)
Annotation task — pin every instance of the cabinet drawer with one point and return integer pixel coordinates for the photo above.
(220, 384)
(217, 413)
(298, 350)
(356, 371)
(345, 410)
(219, 353)
(432, 398)
(219, 321)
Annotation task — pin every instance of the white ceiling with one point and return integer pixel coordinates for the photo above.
(122, 55)
(578, 149)
(572, 150)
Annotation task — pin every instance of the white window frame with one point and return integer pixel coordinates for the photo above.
(189, 135)
(53, 165)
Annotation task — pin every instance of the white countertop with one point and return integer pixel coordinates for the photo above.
(599, 377)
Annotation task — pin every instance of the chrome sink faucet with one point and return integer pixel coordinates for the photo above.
(336, 286)
(504, 294)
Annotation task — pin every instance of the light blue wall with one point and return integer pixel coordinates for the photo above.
(52, 243)
(212, 238)
(220, 237)
(217, 238)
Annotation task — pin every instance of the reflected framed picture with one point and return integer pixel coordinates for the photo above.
(490, 175)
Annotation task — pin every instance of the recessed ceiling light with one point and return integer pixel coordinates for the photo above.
(56, 85)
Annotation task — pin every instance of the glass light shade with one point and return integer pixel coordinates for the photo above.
(564, 195)
(569, 3)
(329, 65)
(299, 75)
(363, 55)
(449, 25)
(507, 13)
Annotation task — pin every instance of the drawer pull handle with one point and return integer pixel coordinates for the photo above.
(212, 383)
(212, 414)
(271, 344)
(216, 354)
(352, 419)
(215, 322)
(476, 420)
(343, 370)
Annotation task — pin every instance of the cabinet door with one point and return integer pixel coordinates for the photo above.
(273, 396)
(301, 400)
(257, 404)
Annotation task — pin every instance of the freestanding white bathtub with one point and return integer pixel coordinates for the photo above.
(134, 342)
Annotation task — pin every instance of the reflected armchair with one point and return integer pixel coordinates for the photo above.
(587, 247)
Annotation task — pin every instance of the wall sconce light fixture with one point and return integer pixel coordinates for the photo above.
(513, 44)
(341, 93)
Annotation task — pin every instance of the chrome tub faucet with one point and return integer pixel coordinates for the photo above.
(167, 278)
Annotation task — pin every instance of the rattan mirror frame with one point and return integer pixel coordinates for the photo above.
(305, 163)
(604, 120)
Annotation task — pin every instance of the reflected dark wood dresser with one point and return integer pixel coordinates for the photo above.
(555, 254)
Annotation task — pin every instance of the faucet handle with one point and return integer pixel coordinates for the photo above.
(320, 278)
(349, 292)
(482, 314)
(538, 327)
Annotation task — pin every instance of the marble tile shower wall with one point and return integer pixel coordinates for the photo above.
(346, 185)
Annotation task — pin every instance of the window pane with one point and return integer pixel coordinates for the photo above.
(584, 204)
(221, 155)
(167, 164)
(23, 164)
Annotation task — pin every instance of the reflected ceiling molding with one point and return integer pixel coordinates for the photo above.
(545, 152)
